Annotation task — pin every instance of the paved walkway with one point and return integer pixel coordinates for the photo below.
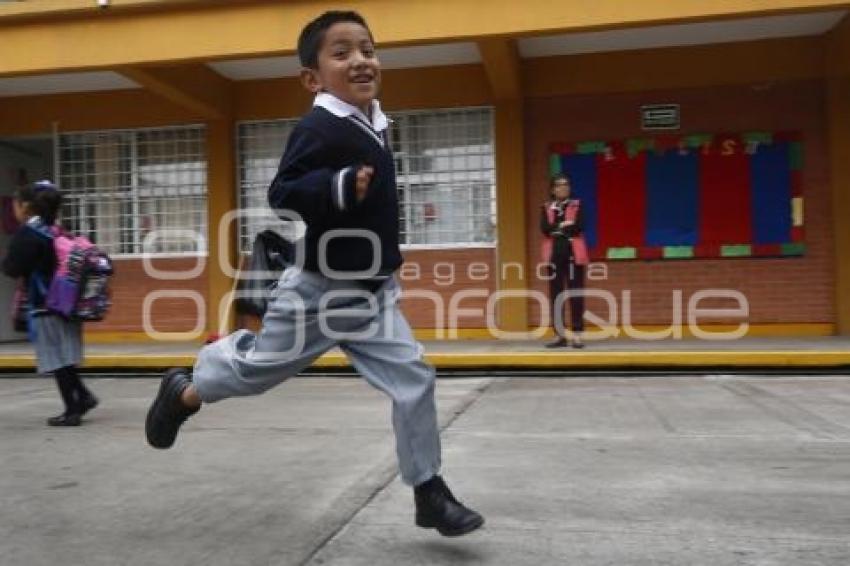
(713, 470)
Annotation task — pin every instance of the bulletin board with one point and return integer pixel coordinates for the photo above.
(694, 196)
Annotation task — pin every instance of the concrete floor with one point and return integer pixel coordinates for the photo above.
(716, 470)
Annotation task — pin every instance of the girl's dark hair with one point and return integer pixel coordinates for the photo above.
(554, 179)
(313, 34)
(43, 199)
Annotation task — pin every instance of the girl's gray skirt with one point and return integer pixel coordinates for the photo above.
(58, 342)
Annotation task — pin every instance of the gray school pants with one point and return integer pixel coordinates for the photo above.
(309, 315)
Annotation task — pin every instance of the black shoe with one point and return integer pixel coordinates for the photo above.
(559, 343)
(167, 412)
(88, 404)
(65, 419)
(437, 508)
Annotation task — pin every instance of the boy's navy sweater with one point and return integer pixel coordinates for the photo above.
(316, 179)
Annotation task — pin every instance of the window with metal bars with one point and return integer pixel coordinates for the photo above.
(136, 191)
(260, 146)
(445, 175)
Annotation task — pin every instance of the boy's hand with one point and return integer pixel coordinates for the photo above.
(364, 177)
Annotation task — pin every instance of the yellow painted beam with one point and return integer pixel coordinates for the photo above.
(41, 9)
(402, 89)
(838, 49)
(565, 360)
(510, 213)
(501, 62)
(838, 124)
(221, 199)
(676, 67)
(27, 115)
(221, 30)
(197, 88)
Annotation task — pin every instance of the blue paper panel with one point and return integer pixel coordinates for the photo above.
(672, 192)
(770, 178)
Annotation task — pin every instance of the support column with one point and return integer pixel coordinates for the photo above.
(838, 123)
(221, 199)
(511, 226)
(502, 64)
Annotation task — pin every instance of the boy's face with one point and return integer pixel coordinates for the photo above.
(348, 66)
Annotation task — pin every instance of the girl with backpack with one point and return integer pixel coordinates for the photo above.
(58, 341)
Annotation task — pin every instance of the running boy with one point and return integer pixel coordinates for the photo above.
(338, 174)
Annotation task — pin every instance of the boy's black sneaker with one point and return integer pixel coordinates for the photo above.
(437, 508)
(167, 412)
(65, 419)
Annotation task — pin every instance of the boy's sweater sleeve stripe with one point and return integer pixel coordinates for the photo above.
(343, 186)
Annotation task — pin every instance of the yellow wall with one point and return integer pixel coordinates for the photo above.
(180, 32)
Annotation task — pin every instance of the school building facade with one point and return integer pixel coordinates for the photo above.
(709, 141)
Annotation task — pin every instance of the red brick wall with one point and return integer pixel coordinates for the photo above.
(446, 272)
(443, 272)
(131, 285)
(778, 290)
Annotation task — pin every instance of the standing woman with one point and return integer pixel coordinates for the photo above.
(565, 250)
(58, 341)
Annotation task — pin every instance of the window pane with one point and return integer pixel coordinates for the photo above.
(121, 185)
(261, 145)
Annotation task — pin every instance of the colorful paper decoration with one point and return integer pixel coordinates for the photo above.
(694, 196)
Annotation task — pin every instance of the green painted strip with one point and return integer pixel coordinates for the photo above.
(555, 165)
(758, 137)
(678, 252)
(795, 156)
(794, 248)
(739, 250)
(698, 140)
(591, 147)
(637, 145)
(621, 253)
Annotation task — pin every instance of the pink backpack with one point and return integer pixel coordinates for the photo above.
(80, 286)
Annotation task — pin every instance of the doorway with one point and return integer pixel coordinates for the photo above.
(22, 160)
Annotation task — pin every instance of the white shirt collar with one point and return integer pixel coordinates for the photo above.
(342, 109)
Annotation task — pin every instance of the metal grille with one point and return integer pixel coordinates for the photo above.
(446, 176)
(136, 191)
(445, 169)
(260, 147)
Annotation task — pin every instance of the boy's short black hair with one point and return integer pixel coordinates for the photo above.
(310, 40)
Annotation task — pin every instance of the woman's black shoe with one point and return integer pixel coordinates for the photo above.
(558, 343)
(437, 508)
(167, 412)
(65, 419)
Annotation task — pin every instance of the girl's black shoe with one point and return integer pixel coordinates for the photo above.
(65, 419)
